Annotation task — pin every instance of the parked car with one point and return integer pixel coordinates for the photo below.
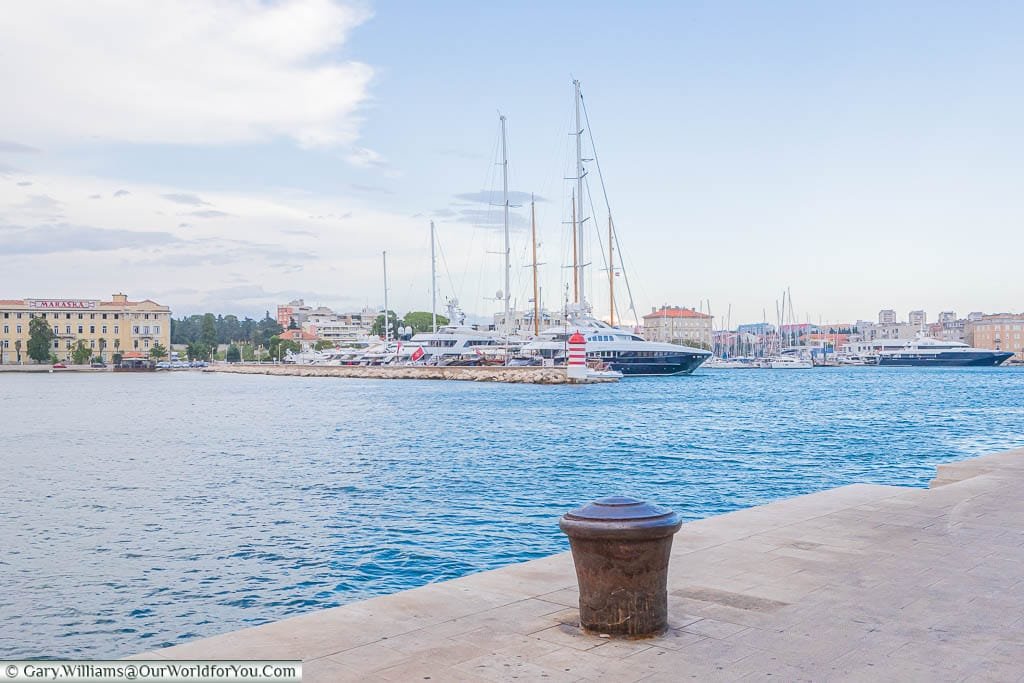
(98, 364)
(59, 365)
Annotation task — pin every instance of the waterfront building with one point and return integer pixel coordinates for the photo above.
(293, 312)
(919, 318)
(306, 340)
(677, 325)
(756, 329)
(522, 321)
(975, 315)
(1002, 331)
(340, 328)
(947, 316)
(106, 327)
(887, 316)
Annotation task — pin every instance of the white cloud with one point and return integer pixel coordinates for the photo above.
(366, 158)
(181, 71)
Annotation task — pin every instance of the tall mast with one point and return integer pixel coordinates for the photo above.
(387, 322)
(575, 256)
(536, 294)
(433, 281)
(579, 187)
(508, 249)
(611, 276)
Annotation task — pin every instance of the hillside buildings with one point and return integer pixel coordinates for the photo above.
(107, 327)
(322, 323)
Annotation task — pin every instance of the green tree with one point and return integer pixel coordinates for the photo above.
(116, 358)
(378, 325)
(208, 331)
(279, 348)
(323, 344)
(80, 353)
(264, 330)
(157, 352)
(233, 354)
(17, 349)
(103, 345)
(40, 340)
(197, 351)
(419, 321)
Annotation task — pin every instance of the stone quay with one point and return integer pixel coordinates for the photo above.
(860, 583)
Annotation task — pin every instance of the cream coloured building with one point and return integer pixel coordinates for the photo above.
(107, 327)
(1004, 332)
(678, 325)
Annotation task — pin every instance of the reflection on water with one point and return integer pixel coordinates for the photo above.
(142, 511)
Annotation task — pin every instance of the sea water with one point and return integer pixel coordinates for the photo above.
(144, 510)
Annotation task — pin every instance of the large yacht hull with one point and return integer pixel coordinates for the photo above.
(634, 364)
(946, 360)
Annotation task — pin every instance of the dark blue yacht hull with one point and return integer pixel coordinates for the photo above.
(644, 363)
(946, 360)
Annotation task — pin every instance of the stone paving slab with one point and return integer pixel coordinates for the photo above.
(859, 583)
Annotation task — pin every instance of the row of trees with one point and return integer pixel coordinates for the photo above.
(201, 334)
(213, 329)
(419, 321)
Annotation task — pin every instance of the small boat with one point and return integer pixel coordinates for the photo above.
(787, 363)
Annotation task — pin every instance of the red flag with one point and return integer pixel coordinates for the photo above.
(417, 354)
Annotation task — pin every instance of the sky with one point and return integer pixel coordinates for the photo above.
(230, 155)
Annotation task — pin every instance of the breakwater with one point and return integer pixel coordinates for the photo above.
(514, 375)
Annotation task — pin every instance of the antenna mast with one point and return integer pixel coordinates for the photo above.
(575, 256)
(580, 173)
(611, 275)
(433, 281)
(508, 249)
(387, 321)
(536, 294)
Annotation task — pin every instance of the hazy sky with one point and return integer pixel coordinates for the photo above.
(228, 155)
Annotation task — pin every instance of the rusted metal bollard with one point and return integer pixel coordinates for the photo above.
(621, 550)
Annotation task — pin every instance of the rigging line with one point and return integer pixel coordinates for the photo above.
(444, 262)
(608, 206)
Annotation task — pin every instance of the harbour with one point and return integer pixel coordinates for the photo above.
(234, 500)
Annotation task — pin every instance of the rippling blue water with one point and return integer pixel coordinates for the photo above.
(138, 511)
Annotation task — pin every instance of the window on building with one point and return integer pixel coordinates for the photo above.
(104, 316)
(117, 329)
(135, 329)
(56, 343)
(103, 329)
(18, 329)
(67, 316)
(116, 316)
(6, 316)
(146, 343)
(18, 315)
(7, 328)
(67, 329)
(56, 329)
(79, 329)
(156, 329)
(79, 316)
(92, 329)
(147, 316)
(136, 343)
(92, 344)
(92, 316)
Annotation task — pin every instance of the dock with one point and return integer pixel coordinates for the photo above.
(862, 582)
(513, 375)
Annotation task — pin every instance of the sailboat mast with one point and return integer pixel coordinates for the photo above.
(579, 187)
(508, 249)
(611, 275)
(387, 325)
(575, 256)
(537, 295)
(433, 281)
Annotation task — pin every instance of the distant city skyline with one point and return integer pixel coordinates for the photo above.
(231, 157)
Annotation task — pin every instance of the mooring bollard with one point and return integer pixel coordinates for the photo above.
(621, 549)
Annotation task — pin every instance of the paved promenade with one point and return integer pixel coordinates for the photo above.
(860, 583)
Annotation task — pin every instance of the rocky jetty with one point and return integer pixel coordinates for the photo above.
(514, 375)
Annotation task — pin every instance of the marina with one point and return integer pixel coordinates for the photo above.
(234, 500)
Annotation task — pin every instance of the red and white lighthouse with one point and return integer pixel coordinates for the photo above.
(577, 368)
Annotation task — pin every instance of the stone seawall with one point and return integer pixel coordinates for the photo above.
(515, 375)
